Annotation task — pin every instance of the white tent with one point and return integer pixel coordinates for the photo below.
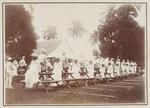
(56, 48)
(63, 50)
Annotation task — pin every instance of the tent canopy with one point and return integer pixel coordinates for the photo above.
(56, 48)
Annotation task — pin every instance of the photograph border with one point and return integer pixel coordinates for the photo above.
(101, 104)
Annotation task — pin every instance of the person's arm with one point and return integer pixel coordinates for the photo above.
(20, 63)
(14, 70)
(24, 62)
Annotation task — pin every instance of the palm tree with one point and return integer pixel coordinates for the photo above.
(106, 13)
(94, 38)
(130, 11)
(50, 33)
(76, 29)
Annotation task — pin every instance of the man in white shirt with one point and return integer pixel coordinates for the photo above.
(11, 71)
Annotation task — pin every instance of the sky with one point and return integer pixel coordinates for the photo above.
(61, 16)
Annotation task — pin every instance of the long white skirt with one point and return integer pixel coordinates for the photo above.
(57, 74)
(32, 76)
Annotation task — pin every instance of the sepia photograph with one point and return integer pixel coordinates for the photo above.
(74, 53)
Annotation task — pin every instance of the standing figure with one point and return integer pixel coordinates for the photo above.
(107, 66)
(57, 69)
(135, 67)
(49, 65)
(127, 68)
(123, 65)
(117, 69)
(42, 58)
(70, 65)
(97, 72)
(32, 76)
(90, 69)
(75, 69)
(49, 69)
(11, 71)
(65, 70)
(102, 67)
(110, 68)
(131, 69)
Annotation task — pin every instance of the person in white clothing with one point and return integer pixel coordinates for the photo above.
(22, 66)
(32, 76)
(48, 69)
(110, 66)
(135, 68)
(58, 70)
(127, 67)
(90, 69)
(117, 68)
(102, 67)
(131, 67)
(107, 73)
(11, 71)
(123, 67)
(22, 62)
(75, 69)
(15, 62)
(49, 65)
(69, 62)
(42, 58)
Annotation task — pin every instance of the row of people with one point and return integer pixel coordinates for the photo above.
(101, 67)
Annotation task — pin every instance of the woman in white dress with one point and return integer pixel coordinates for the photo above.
(32, 76)
(58, 70)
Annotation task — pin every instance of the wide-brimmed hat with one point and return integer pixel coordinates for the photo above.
(34, 55)
(9, 58)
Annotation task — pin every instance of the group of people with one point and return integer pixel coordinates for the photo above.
(100, 67)
(11, 69)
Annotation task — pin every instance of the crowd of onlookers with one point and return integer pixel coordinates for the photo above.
(100, 67)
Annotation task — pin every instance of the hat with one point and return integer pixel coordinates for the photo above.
(9, 58)
(23, 57)
(34, 55)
